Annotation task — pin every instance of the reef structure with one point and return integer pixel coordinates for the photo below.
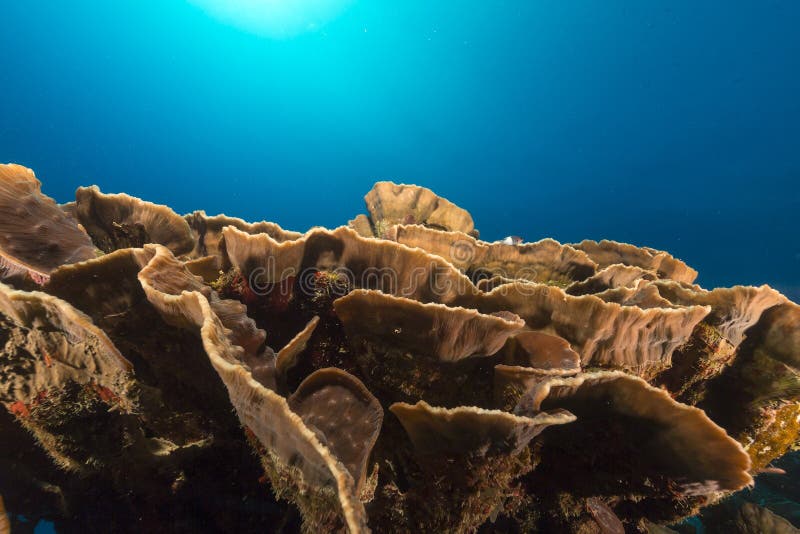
(397, 374)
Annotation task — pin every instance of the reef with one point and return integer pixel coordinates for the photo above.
(194, 373)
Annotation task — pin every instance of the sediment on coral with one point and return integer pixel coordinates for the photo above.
(396, 375)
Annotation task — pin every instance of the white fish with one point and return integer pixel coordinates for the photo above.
(511, 240)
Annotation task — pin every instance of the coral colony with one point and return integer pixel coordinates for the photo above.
(397, 374)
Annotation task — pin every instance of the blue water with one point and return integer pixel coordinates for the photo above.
(671, 124)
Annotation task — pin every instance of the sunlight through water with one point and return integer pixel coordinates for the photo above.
(277, 19)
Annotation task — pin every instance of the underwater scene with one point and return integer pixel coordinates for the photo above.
(350, 266)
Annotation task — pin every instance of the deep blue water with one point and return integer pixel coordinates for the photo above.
(670, 124)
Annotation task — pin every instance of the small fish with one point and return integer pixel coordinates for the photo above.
(772, 470)
(511, 240)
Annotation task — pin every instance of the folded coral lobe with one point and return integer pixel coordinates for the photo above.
(343, 413)
(36, 235)
(607, 253)
(676, 441)
(298, 457)
(449, 334)
(389, 203)
(119, 221)
(468, 429)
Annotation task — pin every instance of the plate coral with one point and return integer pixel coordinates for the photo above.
(162, 372)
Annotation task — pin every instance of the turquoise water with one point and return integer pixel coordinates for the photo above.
(674, 125)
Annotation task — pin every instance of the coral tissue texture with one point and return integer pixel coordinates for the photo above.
(168, 373)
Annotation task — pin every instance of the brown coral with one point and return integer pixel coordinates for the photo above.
(683, 442)
(119, 221)
(291, 448)
(36, 236)
(448, 334)
(389, 204)
(366, 263)
(485, 354)
(605, 334)
(342, 411)
(5, 524)
(55, 343)
(545, 261)
(607, 253)
(207, 231)
(469, 430)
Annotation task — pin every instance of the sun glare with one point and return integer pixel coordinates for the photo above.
(275, 18)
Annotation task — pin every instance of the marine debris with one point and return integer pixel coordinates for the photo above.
(176, 373)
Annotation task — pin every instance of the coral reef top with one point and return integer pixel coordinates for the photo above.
(396, 374)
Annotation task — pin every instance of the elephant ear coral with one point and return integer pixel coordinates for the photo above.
(36, 236)
(54, 343)
(176, 413)
(364, 262)
(733, 310)
(545, 261)
(470, 430)
(343, 413)
(117, 221)
(101, 287)
(448, 334)
(528, 359)
(607, 253)
(650, 457)
(207, 231)
(642, 295)
(409, 350)
(287, 357)
(59, 370)
(296, 460)
(757, 397)
(611, 277)
(164, 274)
(605, 334)
(468, 461)
(541, 351)
(680, 441)
(389, 204)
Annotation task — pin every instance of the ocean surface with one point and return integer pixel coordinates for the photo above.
(669, 124)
